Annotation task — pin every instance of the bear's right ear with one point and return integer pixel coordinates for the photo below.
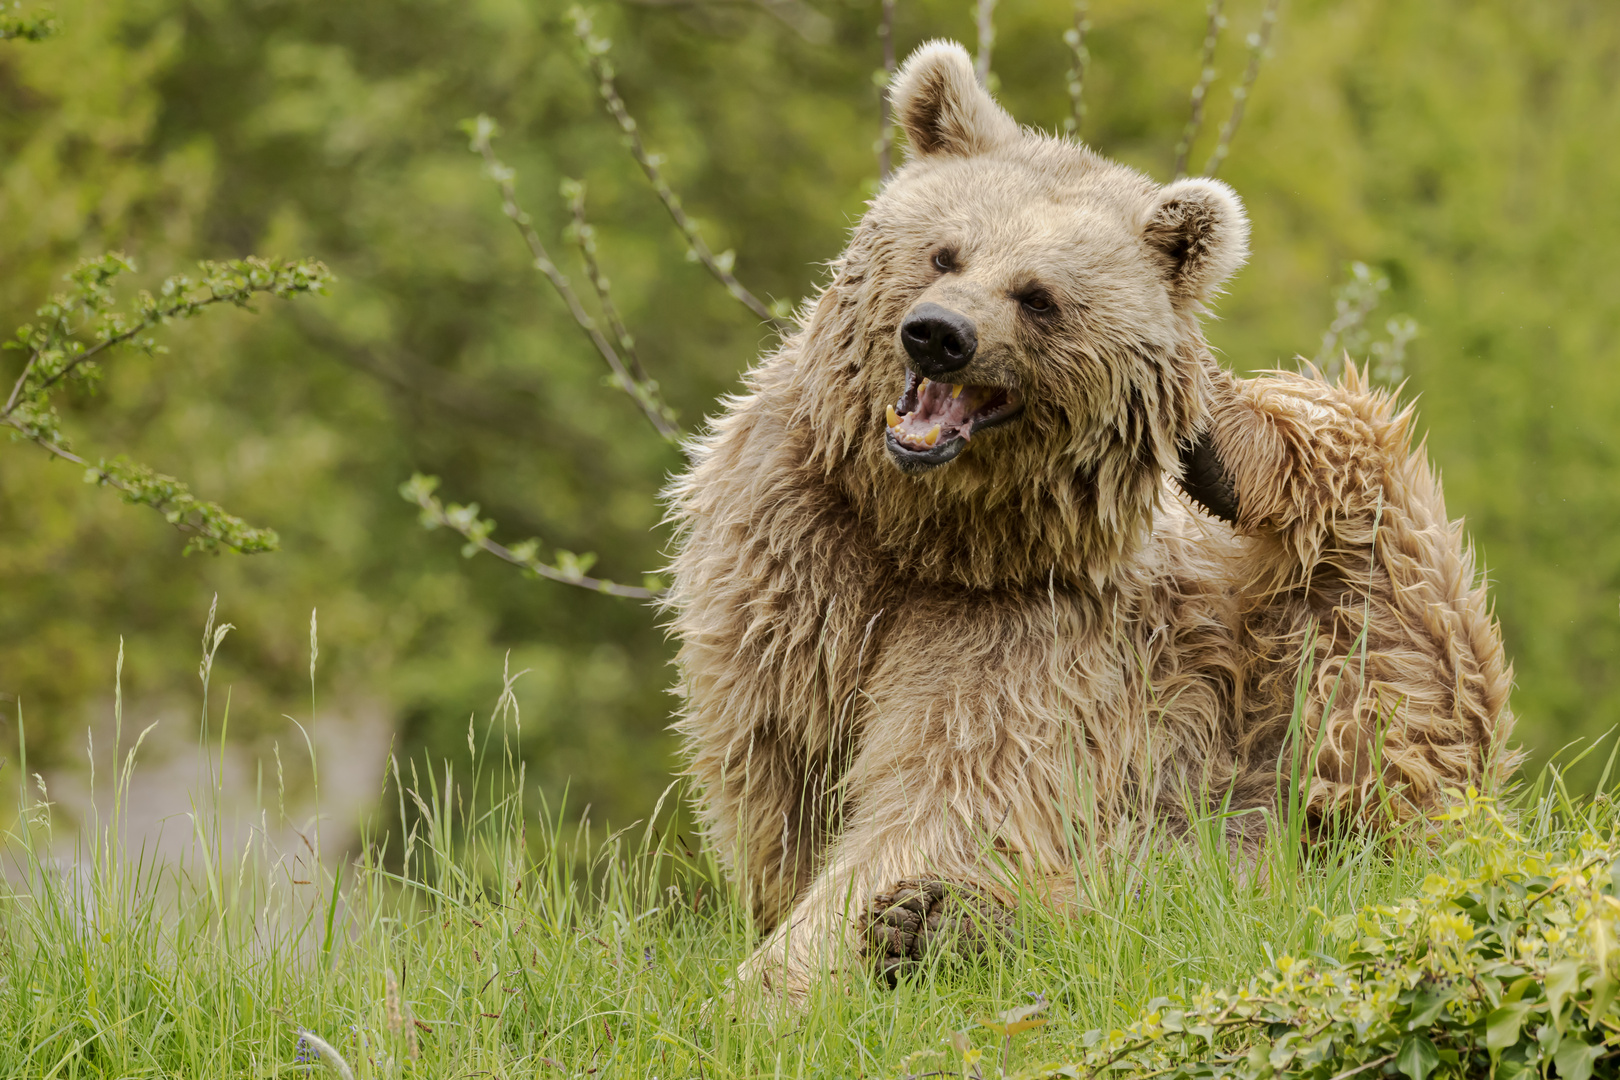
(942, 107)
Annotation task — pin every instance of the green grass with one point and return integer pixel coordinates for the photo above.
(491, 941)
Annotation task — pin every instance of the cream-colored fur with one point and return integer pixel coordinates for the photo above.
(891, 676)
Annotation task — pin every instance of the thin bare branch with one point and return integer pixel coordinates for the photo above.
(465, 521)
(45, 444)
(494, 404)
(1258, 42)
(801, 18)
(1200, 90)
(584, 237)
(796, 15)
(1075, 38)
(481, 131)
(717, 265)
(984, 16)
(17, 387)
(886, 127)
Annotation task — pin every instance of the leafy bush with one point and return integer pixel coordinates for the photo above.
(1503, 966)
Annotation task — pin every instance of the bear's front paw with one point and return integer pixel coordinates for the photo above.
(902, 927)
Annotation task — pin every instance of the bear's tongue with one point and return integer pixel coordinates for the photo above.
(939, 412)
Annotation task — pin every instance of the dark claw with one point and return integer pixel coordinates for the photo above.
(902, 927)
(1205, 480)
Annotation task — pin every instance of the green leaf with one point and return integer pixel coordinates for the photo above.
(1284, 1051)
(1425, 1009)
(1603, 993)
(1574, 1059)
(1516, 991)
(1417, 1057)
(1502, 1026)
(1562, 980)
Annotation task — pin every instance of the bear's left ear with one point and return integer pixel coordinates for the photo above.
(1201, 234)
(944, 110)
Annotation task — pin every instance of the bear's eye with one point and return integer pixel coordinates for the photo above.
(1036, 302)
(945, 260)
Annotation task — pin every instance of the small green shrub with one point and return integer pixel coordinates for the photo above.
(1503, 966)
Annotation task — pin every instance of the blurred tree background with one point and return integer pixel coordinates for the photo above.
(1468, 149)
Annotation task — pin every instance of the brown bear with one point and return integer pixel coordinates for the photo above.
(991, 555)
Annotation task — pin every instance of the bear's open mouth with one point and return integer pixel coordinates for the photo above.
(932, 421)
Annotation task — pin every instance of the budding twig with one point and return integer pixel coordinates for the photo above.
(207, 525)
(584, 237)
(1200, 90)
(226, 283)
(718, 265)
(984, 15)
(481, 131)
(58, 356)
(1258, 41)
(569, 569)
(1075, 38)
(886, 127)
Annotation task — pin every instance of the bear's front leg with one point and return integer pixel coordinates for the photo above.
(771, 602)
(878, 876)
(956, 801)
(1352, 569)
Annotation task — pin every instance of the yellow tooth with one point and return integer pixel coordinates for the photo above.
(894, 417)
(922, 386)
(956, 391)
(933, 435)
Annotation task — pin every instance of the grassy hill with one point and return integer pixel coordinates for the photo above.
(489, 939)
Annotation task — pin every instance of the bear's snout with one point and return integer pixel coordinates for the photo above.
(938, 340)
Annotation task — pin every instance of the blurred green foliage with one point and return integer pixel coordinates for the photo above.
(1467, 149)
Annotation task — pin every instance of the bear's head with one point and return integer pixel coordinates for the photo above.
(1009, 357)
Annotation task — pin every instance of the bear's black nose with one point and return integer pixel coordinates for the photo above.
(938, 340)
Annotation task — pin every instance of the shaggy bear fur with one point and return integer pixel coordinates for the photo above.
(914, 656)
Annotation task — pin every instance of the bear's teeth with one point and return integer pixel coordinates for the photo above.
(956, 391)
(894, 417)
(933, 435)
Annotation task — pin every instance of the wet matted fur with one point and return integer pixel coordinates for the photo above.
(896, 669)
